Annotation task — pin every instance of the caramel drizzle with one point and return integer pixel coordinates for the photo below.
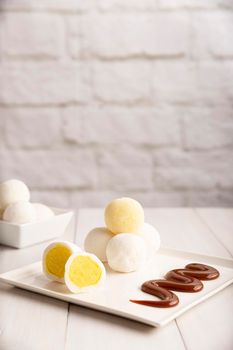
(182, 280)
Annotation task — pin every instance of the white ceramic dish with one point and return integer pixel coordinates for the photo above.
(114, 296)
(20, 236)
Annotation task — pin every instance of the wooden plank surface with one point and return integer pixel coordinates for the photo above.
(29, 321)
(220, 222)
(89, 329)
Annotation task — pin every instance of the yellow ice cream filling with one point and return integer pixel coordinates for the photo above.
(56, 259)
(84, 271)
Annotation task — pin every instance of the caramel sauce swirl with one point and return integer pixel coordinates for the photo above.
(182, 280)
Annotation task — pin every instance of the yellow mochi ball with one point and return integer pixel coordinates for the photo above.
(124, 215)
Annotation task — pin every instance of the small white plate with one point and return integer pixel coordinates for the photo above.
(114, 296)
(24, 235)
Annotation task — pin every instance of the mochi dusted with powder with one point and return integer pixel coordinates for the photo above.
(126, 252)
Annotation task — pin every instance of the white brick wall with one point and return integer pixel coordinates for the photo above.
(55, 169)
(30, 35)
(27, 83)
(139, 126)
(122, 82)
(126, 35)
(100, 99)
(32, 127)
(213, 35)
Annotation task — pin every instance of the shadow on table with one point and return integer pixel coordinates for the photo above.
(105, 319)
(24, 295)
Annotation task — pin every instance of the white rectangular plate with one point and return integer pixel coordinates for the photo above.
(114, 296)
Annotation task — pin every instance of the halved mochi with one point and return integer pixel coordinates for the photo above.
(83, 271)
(55, 257)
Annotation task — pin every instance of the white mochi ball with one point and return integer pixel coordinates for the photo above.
(20, 213)
(96, 242)
(126, 252)
(13, 191)
(42, 212)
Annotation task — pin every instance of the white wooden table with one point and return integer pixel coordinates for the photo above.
(33, 322)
